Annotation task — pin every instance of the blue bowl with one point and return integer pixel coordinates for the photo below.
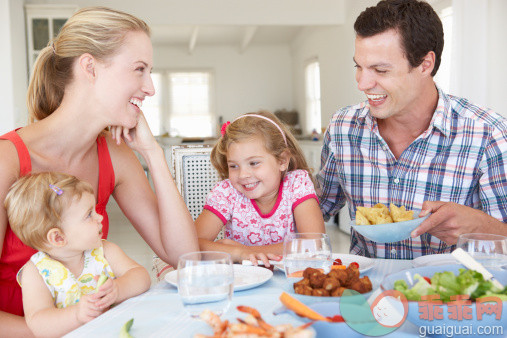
(389, 232)
(487, 321)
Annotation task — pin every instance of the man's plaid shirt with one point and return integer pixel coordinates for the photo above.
(460, 158)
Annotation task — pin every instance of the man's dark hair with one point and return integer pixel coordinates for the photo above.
(417, 23)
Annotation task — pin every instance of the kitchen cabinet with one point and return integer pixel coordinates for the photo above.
(43, 22)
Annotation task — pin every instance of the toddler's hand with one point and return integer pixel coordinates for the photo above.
(106, 295)
(87, 309)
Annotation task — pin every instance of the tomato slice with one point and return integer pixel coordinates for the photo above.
(337, 262)
(336, 319)
(427, 279)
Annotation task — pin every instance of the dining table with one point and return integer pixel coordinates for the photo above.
(159, 311)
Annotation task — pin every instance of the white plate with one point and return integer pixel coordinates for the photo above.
(365, 263)
(432, 260)
(245, 277)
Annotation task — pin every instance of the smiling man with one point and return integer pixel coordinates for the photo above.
(410, 143)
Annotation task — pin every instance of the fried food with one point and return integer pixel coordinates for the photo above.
(380, 214)
(361, 218)
(252, 326)
(400, 214)
(316, 283)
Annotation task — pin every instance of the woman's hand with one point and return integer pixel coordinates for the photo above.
(138, 138)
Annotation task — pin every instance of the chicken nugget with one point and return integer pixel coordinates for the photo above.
(303, 290)
(356, 285)
(338, 291)
(367, 283)
(320, 293)
(330, 284)
(316, 280)
(340, 275)
(310, 271)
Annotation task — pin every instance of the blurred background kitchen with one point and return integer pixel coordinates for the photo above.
(217, 59)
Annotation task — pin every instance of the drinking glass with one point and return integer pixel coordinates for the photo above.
(205, 281)
(488, 249)
(303, 250)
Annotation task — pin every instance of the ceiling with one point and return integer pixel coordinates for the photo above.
(240, 23)
(240, 36)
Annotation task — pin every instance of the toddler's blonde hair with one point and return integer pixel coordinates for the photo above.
(34, 208)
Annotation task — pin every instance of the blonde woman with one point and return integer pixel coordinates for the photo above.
(94, 74)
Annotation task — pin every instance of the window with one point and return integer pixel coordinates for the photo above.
(182, 104)
(443, 76)
(190, 104)
(312, 84)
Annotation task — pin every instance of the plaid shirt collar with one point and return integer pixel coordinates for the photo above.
(441, 117)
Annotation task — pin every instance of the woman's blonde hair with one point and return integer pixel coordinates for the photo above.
(35, 204)
(245, 128)
(99, 31)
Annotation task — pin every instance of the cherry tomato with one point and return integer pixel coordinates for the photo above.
(427, 279)
(337, 262)
(354, 264)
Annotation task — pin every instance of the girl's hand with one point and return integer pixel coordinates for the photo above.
(138, 138)
(107, 294)
(255, 256)
(86, 309)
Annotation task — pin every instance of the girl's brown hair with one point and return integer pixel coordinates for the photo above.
(99, 31)
(245, 128)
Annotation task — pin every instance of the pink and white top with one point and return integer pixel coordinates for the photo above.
(242, 218)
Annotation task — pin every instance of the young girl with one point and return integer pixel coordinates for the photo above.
(267, 191)
(55, 214)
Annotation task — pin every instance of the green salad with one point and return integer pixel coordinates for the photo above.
(447, 284)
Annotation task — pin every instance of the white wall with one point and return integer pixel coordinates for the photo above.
(6, 92)
(223, 12)
(13, 71)
(260, 78)
(479, 71)
(497, 46)
(334, 48)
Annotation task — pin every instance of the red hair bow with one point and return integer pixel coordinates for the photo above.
(224, 127)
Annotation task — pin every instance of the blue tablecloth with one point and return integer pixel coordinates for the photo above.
(159, 311)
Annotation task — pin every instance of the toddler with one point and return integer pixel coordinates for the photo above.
(55, 214)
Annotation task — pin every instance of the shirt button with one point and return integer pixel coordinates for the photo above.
(396, 180)
(393, 252)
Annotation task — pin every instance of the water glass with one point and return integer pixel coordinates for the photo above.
(303, 250)
(488, 249)
(205, 281)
